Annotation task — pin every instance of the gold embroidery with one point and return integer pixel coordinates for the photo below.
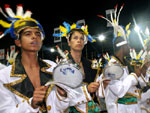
(48, 91)
(79, 109)
(22, 77)
(48, 108)
(84, 90)
(148, 111)
(134, 76)
(43, 69)
(8, 85)
(17, 106)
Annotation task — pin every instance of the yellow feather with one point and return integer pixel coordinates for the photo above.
(62, 29)
(119, 34)
(127, 26)
(5, 24)
(128, 33)
(73, 26)
(93, 40)
(86, 30)
(64, 35)
(115, 22)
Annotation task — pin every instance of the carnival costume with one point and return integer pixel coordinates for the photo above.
(144, 80)
(88, 106)
(16, 89)
(121, 94)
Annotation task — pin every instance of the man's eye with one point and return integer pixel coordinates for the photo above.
(38, 34)
(27, 34)
(82, 38)
(75, 37)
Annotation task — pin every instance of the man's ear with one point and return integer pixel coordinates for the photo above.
(68, 42)
(18, 43)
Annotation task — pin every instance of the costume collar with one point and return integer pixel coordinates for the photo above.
(23, 86)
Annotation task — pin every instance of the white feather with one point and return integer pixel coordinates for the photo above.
(111, 16)
(3, 13)
(14, 56)
(143, 55)
(10, 12)
(62, 54)
(12, 53)
(2, 35)
(7, 56)
(27, 14)
(108, 20)
(131, 53)
(115, 13)
(134, 54)
(140, 53)
(19, 11)
(119, 14)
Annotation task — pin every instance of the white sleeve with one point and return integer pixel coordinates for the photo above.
(55, 104)
(100, 92)
(82, 97)
(145, 96)
(9, 104)
(120, 88)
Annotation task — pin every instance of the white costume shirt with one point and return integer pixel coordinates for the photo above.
(117, 89)
(12, 101)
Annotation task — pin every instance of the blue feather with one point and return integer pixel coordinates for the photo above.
(67, 26)
(57, 34)
(90, 38)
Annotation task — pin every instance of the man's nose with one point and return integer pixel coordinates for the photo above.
(34, 36)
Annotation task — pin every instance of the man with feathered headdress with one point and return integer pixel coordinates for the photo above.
(22, 87)
(77, 36)
(121, 94)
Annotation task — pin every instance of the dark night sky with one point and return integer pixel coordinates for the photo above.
(51, 14)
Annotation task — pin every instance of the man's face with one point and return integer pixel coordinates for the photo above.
(31, 40)
(126, 48)
(77, 41)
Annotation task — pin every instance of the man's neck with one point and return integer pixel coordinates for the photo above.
(76, 55)
(120, 56)
(29, 59)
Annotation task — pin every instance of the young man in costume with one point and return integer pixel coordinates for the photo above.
(77, 36)
(22, 87)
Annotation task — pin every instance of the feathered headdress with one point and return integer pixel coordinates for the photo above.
(119, 31)
(137, 59)
(18, 21)
(12, 56)
(67, 28)
(97, 64)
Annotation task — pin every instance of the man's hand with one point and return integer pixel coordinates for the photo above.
(61, 92)
(38, 96)
(137, 70)
(144, 68)
(105, 83)
(92, 87)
